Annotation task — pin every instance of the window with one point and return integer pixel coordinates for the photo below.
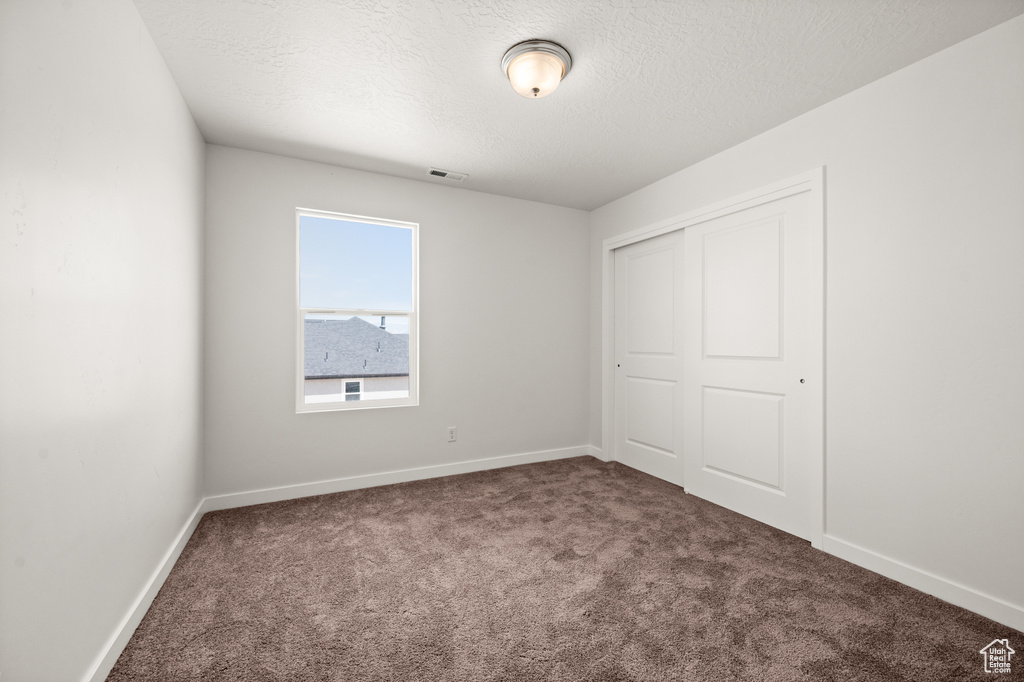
(357, 321)
(353, 389)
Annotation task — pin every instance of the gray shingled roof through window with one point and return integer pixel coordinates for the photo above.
(342, 349)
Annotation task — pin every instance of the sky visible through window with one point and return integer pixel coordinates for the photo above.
(347, 264)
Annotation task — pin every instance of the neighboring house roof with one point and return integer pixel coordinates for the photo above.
(343, 349)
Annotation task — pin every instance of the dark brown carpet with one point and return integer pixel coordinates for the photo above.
(567, 570)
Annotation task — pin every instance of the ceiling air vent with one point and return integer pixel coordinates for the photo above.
(447, 175)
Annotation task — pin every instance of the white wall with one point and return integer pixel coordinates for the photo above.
(503, 326)
(925, 310)
(101, 181)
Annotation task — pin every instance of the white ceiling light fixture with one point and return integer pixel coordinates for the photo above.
(536, 67)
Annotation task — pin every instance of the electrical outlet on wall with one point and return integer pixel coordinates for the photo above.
(452, 436)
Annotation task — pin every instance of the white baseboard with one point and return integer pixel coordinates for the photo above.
(986, 605)
(598, 453)
(119, 640)
(337, 485)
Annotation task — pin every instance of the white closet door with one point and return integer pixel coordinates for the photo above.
(648, 356)
(751, 395)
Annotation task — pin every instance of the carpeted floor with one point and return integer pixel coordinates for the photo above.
(567, 570)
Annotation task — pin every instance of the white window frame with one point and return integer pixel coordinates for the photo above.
(413, 316)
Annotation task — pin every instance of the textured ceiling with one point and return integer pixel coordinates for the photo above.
(395, 86)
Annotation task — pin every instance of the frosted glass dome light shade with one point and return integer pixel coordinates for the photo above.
(536, 67)
(535, 74)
